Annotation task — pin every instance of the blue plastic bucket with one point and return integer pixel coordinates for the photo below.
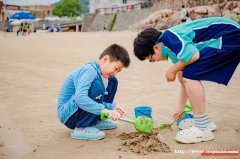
(143, 111)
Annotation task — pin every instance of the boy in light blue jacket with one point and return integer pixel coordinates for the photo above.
(88, 91)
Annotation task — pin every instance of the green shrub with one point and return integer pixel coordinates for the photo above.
(112, 23)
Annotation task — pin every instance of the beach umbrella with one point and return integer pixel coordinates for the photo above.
(22, 15)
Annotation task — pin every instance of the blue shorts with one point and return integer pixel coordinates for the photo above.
(216, 65)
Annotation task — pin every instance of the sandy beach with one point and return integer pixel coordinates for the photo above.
(32, 69)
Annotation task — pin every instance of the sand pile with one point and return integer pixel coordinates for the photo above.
(143, 144)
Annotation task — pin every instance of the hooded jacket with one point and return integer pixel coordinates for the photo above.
(83, 88)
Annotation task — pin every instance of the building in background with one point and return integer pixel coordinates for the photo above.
(115, 6)
(40, 11)
(7, 10)
(1, 12)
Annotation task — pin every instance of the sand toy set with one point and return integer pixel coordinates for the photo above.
(144, 122)
(145, 141)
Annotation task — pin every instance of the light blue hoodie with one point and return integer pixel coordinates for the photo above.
(82, 88)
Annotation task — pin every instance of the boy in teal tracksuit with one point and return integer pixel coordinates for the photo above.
(205, 49)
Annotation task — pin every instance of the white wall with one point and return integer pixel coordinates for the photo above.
(96, 4)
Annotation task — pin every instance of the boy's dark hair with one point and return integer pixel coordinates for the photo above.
(117, 53)
(144, 42)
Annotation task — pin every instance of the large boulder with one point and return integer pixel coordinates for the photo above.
(204, 11)
(160, 19)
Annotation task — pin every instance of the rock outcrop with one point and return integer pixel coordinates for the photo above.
(166, 18)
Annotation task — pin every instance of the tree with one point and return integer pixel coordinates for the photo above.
(70, 8)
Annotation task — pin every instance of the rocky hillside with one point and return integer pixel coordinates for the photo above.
(176, 4)
(165, 18)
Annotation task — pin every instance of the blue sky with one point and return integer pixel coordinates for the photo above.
(29, 2)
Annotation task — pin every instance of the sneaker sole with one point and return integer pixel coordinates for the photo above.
(195, 141)
(86, 138)
(105, 128)
(187, 126)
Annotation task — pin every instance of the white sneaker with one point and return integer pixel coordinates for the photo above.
(211, 126)
(88, 133)
(193, 135)
(188, 123)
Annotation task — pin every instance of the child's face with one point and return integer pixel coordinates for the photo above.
(109, 69)
(157, 56)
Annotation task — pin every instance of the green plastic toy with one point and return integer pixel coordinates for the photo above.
(187, 109)
(142, 124)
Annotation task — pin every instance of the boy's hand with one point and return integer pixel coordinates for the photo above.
(170, 75)
(178, 115)
(119, 109)
(113, 114)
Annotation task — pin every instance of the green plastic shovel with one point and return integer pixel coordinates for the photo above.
(187, 109)
(142, 124)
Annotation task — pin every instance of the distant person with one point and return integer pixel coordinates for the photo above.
(51, 29)
(188, 18)
(44, 26)
(183, 14)
(90, 90)
(104, 28)
(25, 28)
(9, 26)
(20, 28)
(206, 49)
(29, 31)
(58, 28)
